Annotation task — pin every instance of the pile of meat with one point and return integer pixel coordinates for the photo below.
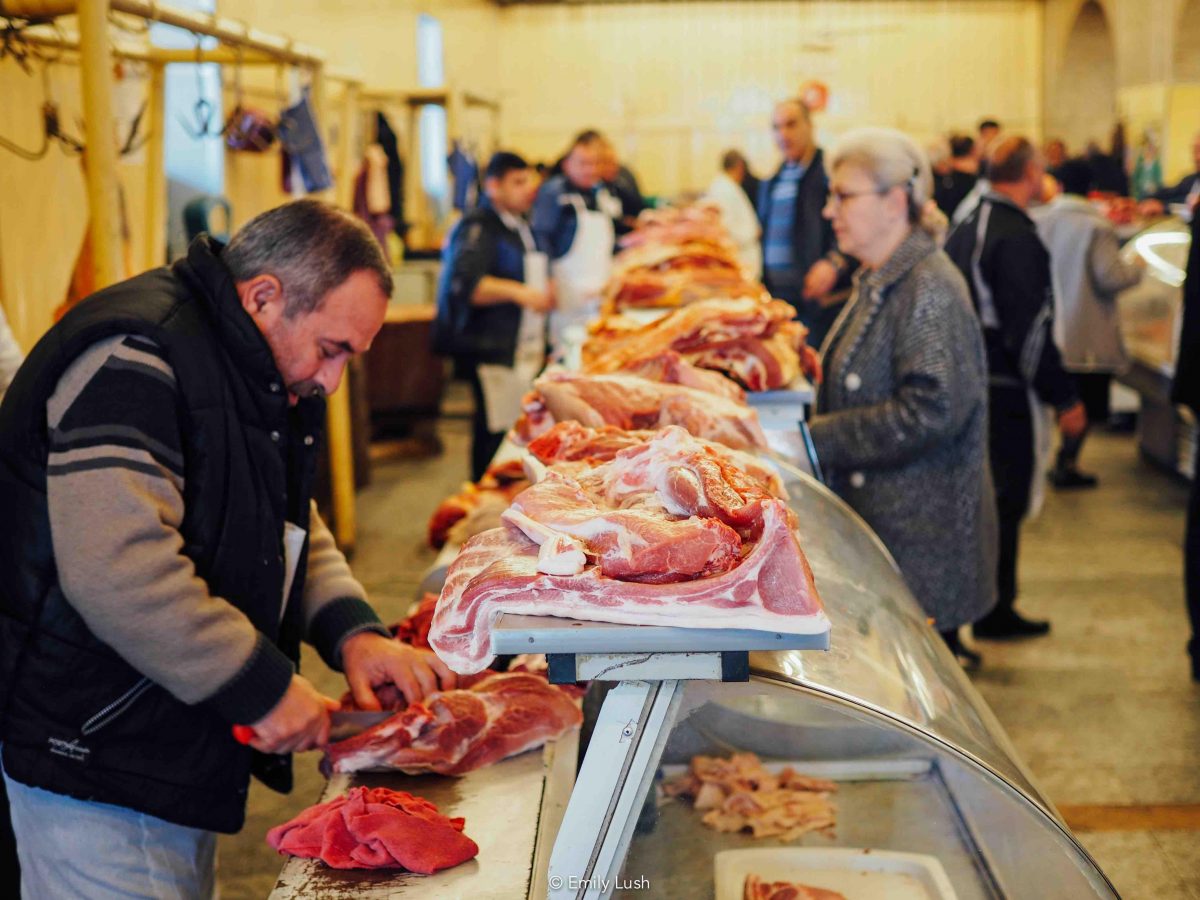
(739, 794)
(675, 257)
(455, 732)
(757, 889)
(632, 402)
(477, 506)
(673, 530)
(376, 828)
(752, 340)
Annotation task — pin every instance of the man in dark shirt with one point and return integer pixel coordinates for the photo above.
(1186, 390)
(800, 260)
(490, 306)
(1008, 271)
(951, 188)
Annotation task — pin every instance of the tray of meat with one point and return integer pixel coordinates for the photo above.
(828, 874)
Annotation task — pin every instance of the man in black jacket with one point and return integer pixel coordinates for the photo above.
(1008, 271)
(491, 303)
(1186, 390)
(163, 558)
(800, 260)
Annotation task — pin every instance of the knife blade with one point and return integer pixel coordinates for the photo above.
(342, 724)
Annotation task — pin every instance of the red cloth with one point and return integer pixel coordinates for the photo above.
(376, 828)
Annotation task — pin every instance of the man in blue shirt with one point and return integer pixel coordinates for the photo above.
(800, 260)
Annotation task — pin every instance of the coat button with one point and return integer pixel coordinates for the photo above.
(853, 382)
(308, 440)
(275, 436)
(857, 479)
(275, 387)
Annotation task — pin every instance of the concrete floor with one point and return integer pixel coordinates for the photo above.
(1101, 710)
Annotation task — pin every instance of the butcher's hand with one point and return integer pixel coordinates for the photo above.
(1151, 208)
(1072, 421)
(299, 721)
(373, 663)
(820, 279)
(535, 300)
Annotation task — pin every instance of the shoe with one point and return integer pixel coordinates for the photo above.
(1008, 624)
(970, 660)
(1072, 478)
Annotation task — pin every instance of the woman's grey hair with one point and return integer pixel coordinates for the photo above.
(891, 158)
(311, 247)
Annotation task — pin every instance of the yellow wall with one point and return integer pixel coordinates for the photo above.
(676, 83)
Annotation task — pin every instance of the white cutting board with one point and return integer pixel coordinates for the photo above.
(859, 874)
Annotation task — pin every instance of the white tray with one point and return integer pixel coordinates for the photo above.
(859, 874)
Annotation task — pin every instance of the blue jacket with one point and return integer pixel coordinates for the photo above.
(553, 220)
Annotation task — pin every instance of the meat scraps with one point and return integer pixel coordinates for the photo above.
(611, 543)
(757, 889)
(477, 506)
(376, 828)
(631, 403)
(753, 341)
(455, 732)
(739, 794)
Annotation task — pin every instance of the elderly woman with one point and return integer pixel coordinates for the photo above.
(901, 421)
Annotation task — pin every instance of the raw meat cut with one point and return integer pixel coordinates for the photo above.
(671, 368)
(632, 403)
(545, 562)
(677, 225)
(455, 732)
(757, 889)
(376, 828)
(754, 342)
(739, 793)
(477, 506)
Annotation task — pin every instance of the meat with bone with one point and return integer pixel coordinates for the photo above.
(549, 567)
(757, 889)
(376, 828)
(632, 403)
(755, 343)
(455, 732)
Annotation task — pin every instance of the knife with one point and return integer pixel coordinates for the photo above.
(342, 724)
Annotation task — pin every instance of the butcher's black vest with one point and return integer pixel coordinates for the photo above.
(148, 751)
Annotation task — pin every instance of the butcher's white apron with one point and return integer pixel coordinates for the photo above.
(504, 386)
(579, 277)
(1043, 452)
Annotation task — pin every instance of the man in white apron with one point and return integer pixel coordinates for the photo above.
(572, 220)
(493, 297)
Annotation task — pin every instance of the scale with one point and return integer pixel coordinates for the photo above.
(651, 665)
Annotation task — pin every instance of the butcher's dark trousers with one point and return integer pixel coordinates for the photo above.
(484, 443)
(1010, 433)
(1191, 565)
(10, 870)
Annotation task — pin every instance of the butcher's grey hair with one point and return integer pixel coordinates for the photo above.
(891, 159)
(311, 247)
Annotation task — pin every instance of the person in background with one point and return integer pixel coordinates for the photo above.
(951, 188)
(623, 186)
(158, 450)
(11, 358)
(900, 427)
(1008, 271)
(988, 134)
(571, 225)
(737, 212)
(492, 299)
(1055, 153)
(1186, 390)
(746, 179)
(1088, 273)
(1108, 172)
(1186, 191)
(1147, 169)
(801, 263)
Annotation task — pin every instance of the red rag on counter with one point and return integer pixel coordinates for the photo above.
(376, 828)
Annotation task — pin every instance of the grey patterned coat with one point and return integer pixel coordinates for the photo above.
(901, 427)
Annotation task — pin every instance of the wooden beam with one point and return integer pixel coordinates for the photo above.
(104, 209)
(156, 176)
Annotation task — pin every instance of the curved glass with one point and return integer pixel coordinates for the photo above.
(1152, 310)
(888, 689)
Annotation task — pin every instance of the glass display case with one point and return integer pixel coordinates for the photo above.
(921, 765)
(1151, 315)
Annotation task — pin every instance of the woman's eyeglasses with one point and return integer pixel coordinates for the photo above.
(836, 198)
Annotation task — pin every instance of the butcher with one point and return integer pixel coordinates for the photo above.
(492, 300)
(164, 558)
(573, 220)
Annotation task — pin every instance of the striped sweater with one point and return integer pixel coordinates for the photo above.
(115, 487)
